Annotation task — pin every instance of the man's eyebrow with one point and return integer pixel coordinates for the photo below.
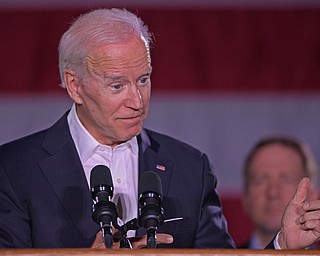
(118, 77)
(113, 77)
(148, 73)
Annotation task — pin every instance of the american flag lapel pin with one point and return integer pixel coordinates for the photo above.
(160, 167)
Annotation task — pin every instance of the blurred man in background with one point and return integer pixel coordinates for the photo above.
(272, 172)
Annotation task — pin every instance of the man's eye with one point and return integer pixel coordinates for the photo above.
(259, 181)
(116, 87)
(143, 80)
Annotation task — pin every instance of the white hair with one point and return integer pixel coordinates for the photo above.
(96, 28)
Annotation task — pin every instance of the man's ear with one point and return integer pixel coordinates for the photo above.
(73, 85)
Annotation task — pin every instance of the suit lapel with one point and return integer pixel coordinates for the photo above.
(153, 158)
(65, 174)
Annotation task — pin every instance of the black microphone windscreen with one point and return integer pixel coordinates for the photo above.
(150, 182)
(100, 175)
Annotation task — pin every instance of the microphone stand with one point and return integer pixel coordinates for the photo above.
(122, 233)
(107, 237)
(151, 217)
(125, 242)
(105, 214)
(151, 238)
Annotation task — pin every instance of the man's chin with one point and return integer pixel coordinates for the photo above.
(130, 135)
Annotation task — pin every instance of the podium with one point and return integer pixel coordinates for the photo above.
(155, 252)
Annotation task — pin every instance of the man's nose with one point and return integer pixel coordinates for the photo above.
(273, 189)
(135, 98)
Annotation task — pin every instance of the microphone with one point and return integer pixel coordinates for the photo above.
(151, 214)
(104, 211)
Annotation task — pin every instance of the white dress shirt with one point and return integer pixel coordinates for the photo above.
(122, 161)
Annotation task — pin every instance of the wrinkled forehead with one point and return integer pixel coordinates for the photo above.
(133, 54)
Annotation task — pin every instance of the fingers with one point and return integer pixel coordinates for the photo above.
(312, 224)
(302, 191)
(98, 242)
(164, 239)
(137, 242)
(141, 242)
(311, 205)
(311, 218)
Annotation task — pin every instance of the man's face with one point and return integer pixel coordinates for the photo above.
(276, 171)
(113, 100)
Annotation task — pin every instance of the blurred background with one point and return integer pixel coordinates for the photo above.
(225, 73)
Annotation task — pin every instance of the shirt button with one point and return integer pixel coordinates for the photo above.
(118, 180)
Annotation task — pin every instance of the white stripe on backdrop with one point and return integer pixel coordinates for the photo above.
(223, 126)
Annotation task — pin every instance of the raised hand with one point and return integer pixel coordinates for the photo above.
(301, 220)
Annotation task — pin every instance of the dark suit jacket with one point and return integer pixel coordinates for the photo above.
(245, 245)
(45, 200)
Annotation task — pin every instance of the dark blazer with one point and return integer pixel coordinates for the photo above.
(245, 245)
(45, 200)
